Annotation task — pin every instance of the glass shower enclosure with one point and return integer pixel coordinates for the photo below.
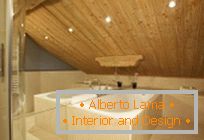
(12, 14)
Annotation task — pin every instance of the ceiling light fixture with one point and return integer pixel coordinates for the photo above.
(70, 30)
(172, 4)
(108, 19)
(46, 37)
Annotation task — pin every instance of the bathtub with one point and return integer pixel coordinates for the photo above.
(116, 113)
(70, 105)
(64, 98)
(70, 98)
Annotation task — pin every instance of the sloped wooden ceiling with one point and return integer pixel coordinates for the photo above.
(170, 39)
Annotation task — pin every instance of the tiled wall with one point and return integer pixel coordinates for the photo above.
(46, 81)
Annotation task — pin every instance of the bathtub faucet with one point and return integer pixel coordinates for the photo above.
(93, 82)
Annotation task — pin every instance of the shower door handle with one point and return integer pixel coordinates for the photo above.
(2, 60)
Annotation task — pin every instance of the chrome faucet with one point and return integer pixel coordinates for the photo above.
(93, 82)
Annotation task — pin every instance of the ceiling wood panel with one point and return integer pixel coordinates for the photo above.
(170, 39)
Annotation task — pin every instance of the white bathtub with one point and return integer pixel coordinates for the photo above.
(70, 98)
(77, 110)
(64, 98)
(47, 101)
(118, 112)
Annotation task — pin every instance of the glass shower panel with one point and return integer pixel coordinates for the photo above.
(12, 15)
(17, 94)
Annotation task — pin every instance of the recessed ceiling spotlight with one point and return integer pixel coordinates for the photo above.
(108, 19)
(22, 25)
(70, 30)
(172, 4)
(46, 37)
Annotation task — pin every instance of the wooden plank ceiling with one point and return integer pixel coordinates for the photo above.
(170, 39)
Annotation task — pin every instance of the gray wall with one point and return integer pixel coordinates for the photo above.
(38, 59)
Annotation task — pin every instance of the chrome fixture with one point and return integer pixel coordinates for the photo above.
(92, 83)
